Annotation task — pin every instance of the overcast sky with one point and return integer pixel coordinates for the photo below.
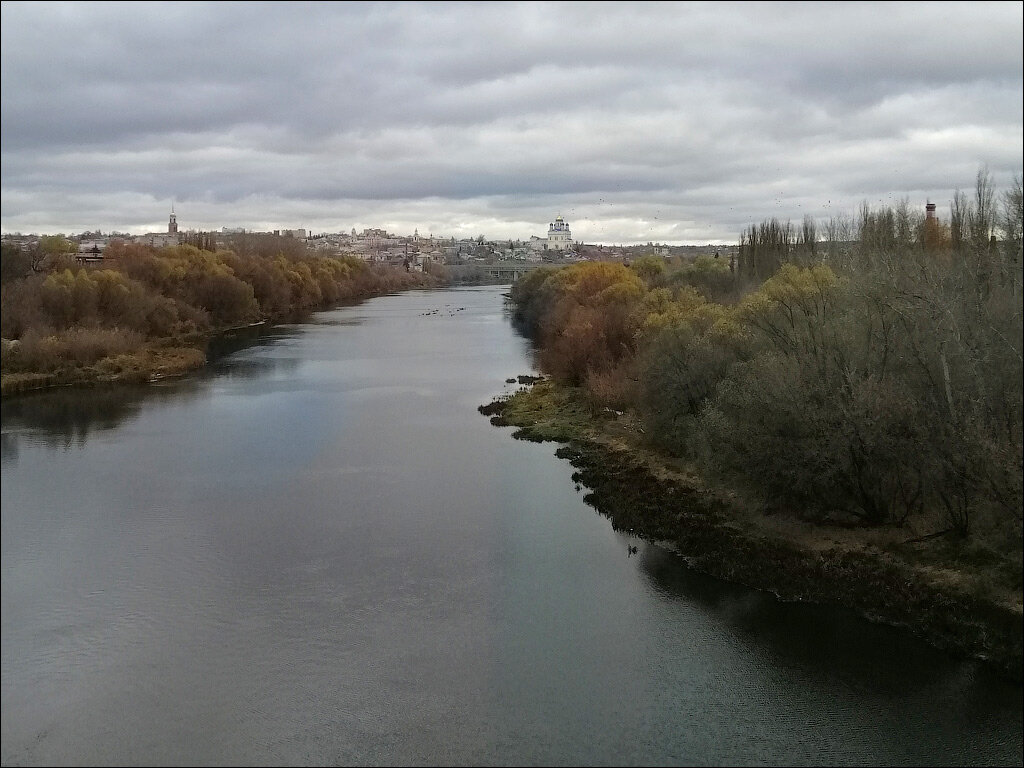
(666, 122)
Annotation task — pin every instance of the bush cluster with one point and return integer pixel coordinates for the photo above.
(56, 315)
(872, 375)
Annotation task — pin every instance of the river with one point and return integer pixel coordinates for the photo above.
(316, 551)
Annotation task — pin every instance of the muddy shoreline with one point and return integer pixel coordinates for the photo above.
(699, 525)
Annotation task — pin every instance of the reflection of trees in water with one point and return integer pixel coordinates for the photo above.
(63, 418)
(339, 322)
(220, 348)
(253, 368)
(228, 343)
(66, 417)
(8, 448)
(825, 641)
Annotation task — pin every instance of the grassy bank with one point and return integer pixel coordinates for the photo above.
(952, 594)
(148, 313)
(150, 363)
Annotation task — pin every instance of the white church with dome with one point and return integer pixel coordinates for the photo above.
(559, 237)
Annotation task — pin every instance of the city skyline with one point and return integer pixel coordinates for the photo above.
(676, 123)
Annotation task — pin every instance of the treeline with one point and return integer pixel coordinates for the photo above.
(870, 372)
(56, 314)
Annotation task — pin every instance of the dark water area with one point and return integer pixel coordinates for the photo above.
(317, 551)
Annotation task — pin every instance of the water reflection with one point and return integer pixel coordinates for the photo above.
(226, 344)
(339, 322)
(253, 367)
(316, 551)
(830, 644)
(8, 448)
(65, 418)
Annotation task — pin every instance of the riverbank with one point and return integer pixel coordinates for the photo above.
(148, 313)
(155, 360)
(954, 597)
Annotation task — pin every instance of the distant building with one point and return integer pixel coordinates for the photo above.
(91, 250)
(94, 245)
(157, 239)
(161, 239)
(559, 237)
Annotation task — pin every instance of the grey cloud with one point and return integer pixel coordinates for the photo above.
(710, 112)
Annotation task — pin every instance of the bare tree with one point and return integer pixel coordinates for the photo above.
(1010, 225)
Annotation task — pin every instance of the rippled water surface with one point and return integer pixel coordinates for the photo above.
(318, 552)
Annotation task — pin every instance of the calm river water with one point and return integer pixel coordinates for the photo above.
(318, 552)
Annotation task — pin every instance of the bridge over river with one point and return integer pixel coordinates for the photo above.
(510, 270)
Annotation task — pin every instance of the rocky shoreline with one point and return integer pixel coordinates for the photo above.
(702, 527)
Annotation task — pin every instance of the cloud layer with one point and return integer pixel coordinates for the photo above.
(667, 122)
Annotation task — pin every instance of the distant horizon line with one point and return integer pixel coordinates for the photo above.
(309, 234)
(637, 244)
